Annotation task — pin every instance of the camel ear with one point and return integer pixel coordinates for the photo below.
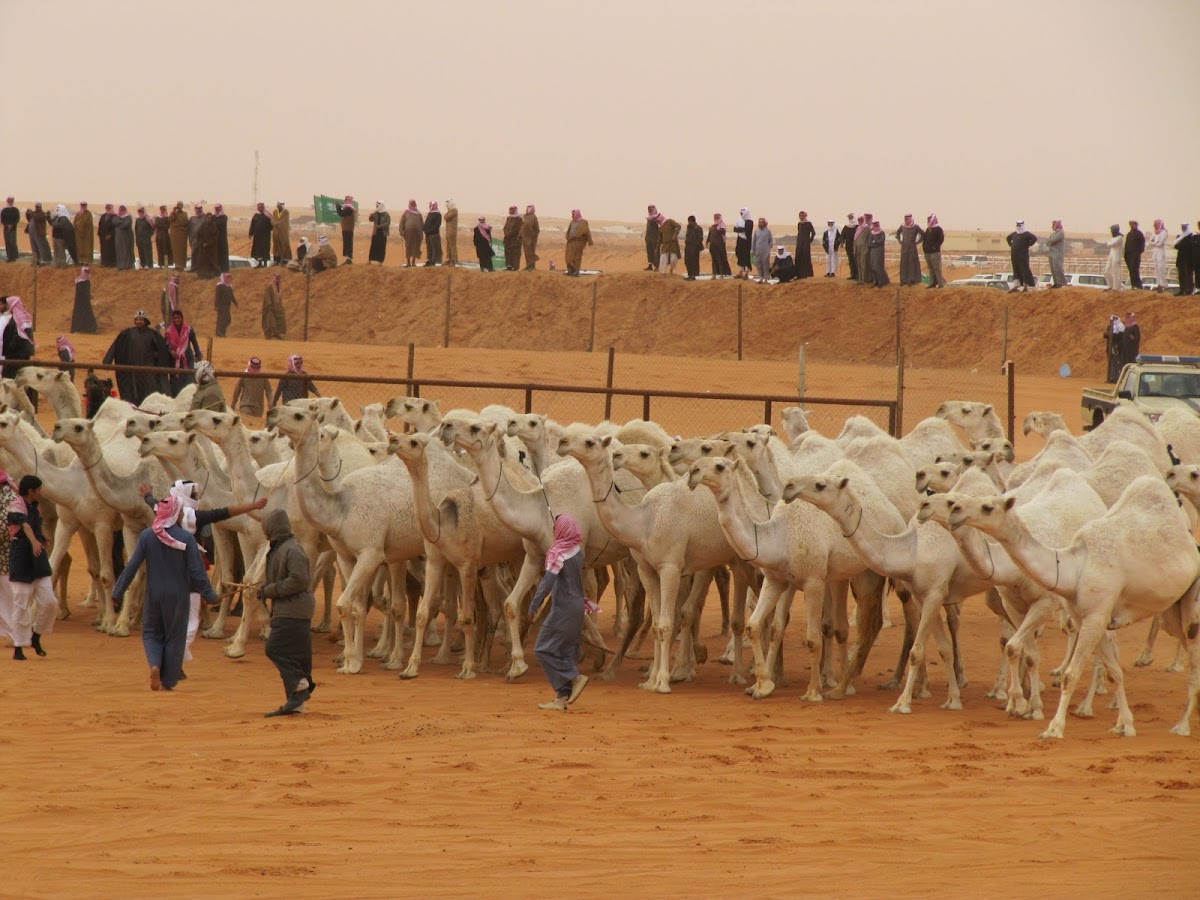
(191, 437)
(845, 481)
(489, 427)
(237, 420)
(606, 440)
(335, 402)
(432, 406)
(987, 410)
(63, 376)
(1009, 503)
(734, 462)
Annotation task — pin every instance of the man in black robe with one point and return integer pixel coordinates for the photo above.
(140, 345)
(693, 246)
(193, 229)
(204, 263)
(784, 266)
(260, 236)
(848, 243)
(143, 237)
(805, 234)
(1135, 246)
(108, 237)
(10, 218)
(1131, 340)
(222, 222)
(1020, 241)
(1183, 260)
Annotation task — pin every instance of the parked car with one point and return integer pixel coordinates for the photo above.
(971, 261)
(1095, 282)
(1150, 282)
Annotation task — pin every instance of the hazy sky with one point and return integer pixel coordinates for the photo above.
(981, 111)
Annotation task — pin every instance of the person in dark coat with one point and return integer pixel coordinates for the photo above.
(693, 246)
(876, 241)
(162, 238)
(36, 221)
(910, 235)
(1020, 241)
(62, 230)
(654, 219)
(195, 220)
(34, 604)
(1135, 246)
(783, 267)
(717, 254)
(107, 237)
(143, 236)
(1183, 260)
(174, 570)
(848, 231)
(221, 221)
(482, 237)
(122, 226)
(290, 389)
(931, 245)
(83, 317)
(260, 236)
(204, 260)
(805, 234)
(1131, 340)
(348, 213)
(16, 335)
(286, 587)
(140, 345)
(512, 240)
(10, 218)
(224, 301)
(433, 235)
(185, 350)
(1113, 337)
(558, 642)
(381, 225)
(744, 229)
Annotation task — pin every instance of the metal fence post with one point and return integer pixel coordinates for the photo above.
(208, 354)
(1004, 343)
(528, 400)
(592, 333)
(802, 371)
(767, 412)
(446, 337)
(899, 324)
(412, 360)
(36, 267)
(608, 383)
(307, 301)
(899, 392)
(646, 406)
(739, 321)
(1012, 395)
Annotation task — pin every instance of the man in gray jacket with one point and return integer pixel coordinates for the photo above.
(1055, 249)
(287, 587)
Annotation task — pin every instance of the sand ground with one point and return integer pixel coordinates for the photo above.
(438, 787)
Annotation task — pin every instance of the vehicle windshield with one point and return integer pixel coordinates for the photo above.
(1174, 384)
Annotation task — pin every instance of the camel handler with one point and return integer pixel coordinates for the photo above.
(579, 235)
(174, 569)
(451, 222)
(193, 518)
(557, 645)
(289, 645)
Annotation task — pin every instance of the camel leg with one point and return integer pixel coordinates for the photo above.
(1091, 630)
(394, 659)
(664, 628)
(768, 597)
(62, 542)
(451, 599)
(1110, 657)
(620, 600)
(352, 605)
(637, 616)
(1179, 622)
(733, 652)
(868, 622)
(514, 606)
(931, 607)
(838, 625)
(380, 597)
(102, 539)
(953, 616)
(1024, 641)
(721, 576)
(1072, 636)
(435, 565)
(912, 615)
(323, 569)
(1147, 655)
(468, 578)
(491, 613)
(685, 662)
(236, 648)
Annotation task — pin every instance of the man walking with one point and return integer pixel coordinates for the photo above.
(10, 218)
(931, 246)
(1135, 246)
(831, 240)
(34, 603)
(286, 586)
(174, 570)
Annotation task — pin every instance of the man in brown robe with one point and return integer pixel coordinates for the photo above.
(412, 228)
(512, 240)
(193, 229)
(179, 236)
(274, 319)
(162, 238)
(451, 220)
(281, 234)
(85, 241)
(321, 259)
(205, 263)
(579, 235)
(530, 229)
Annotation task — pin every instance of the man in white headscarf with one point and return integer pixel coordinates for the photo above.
(831, 240)
(451, 221)
(744, 229)
(281, 234)
(931, 246)
(1112, 265)
(62, 231)
(1158, 254)
(1020, 241)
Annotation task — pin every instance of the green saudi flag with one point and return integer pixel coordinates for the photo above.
(325, 209)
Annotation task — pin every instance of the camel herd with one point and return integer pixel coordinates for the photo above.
(454, 514)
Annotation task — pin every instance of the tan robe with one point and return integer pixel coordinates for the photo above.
(529, 238)
(179, 237)
(579, 235)
(281, 234)
(512, 243)
(274, 319)
(450, 219)
(85, 241)
(412, 227)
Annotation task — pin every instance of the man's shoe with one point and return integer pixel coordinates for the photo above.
(558, 703)
(292, 705)
(18, 653)
(155, 679)
(577, 686)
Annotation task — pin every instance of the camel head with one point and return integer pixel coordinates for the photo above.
(75, 432)
(764, 430)
(1002, 448)
(684, 452)
(215, 426)
(291, 421)
(828, 493)
(642, 460)
(749, 445)
(42, 380)
(261, 444)
(472, 433)
(795, 422)
(370, 427)
(937, 477)
(1182, 479)
(529, 428)
(988, 514)
(140, 424)
(717, 473)
(1044, 423)
(169, 445)
(937, 507)
(589, 449)
(409, 447)
(10, 423)
(422, 415)
(966, 414)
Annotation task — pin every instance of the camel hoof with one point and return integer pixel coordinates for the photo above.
(1053, 733)
(762, 690)
(1183, 729)
(952, 704)
(962, 682)
(997, 694)
(433, 639)
(235, 652)
(352, 668)
(725, 660)
(515, 671)
(120, 631)
(893, 685)
(1124, 730)
(391, 665)
(1037, 715)
(682, 675)
(813, 697)
(443, 659)
(466, 675)
(1173, 667)
(410, 673)
(213, 633)
(63, 615)
(837, 693)
(701, 654)
(735, 678)
(1083, 712)
(902, 708)
(1143, 660)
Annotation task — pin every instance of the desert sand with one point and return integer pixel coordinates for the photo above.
(438, 787)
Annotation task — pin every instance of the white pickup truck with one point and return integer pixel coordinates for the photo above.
(1151, 385)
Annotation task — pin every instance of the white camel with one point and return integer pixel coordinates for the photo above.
(977, 420)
